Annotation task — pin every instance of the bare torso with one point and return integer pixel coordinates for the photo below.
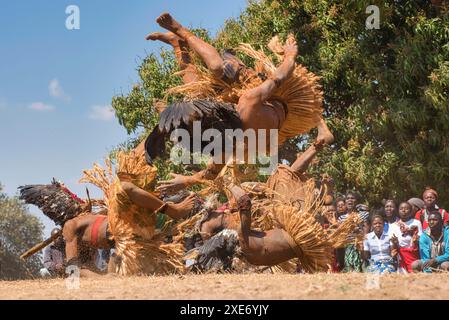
(86, 233)
(265, 248)
(256, 115)
(268, 248)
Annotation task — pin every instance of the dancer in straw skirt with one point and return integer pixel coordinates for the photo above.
(287, 98)
(270, 233)
(278, 224)
(133, 214)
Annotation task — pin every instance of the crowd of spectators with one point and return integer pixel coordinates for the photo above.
(410, 237)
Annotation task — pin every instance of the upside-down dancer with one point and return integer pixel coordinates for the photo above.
(277, 102)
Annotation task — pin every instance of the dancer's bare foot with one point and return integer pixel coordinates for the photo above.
(180, 210)
(166, 21)
(167, 37)
(325, 137)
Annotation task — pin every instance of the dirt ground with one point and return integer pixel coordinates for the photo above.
(236, 286)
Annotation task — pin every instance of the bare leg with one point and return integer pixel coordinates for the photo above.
(207, 53)
(325, 136)
(181, 52)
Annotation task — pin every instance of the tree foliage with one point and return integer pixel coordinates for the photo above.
(19, 231)
(386, 90)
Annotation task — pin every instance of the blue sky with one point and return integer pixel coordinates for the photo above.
(56, 84)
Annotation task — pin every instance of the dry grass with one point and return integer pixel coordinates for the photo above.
(235, 286)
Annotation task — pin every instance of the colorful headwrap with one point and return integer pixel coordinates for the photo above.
(430, 190)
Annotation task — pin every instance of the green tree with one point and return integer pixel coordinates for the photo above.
(19, 231)
(385, 90)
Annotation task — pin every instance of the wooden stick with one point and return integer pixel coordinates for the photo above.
(41, 245)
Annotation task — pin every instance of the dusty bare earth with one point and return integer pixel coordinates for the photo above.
(236, 286)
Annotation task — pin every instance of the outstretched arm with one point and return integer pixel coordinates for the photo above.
(264, 91)
(180, 181)
(147, 200)
(244, 207)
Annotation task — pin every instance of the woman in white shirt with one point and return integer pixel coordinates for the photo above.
(378, 249)
(406, 232)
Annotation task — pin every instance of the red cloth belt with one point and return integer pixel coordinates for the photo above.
(95, 227)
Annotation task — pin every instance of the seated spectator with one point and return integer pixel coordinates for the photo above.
(430, 198)
(54, 258)
(433, 246)
(390, 212)
(417, 205)
(378, 249)
(406, 232)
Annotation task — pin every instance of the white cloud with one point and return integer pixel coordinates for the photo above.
(102, 113)
(56, 91)
(41, 107)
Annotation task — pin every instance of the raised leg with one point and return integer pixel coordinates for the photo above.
(325, 136)
(207, 53)
(180, 48)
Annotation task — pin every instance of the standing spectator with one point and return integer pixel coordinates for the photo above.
(430, 198)
(417, 205)
(341, 208)
(407, 232)
(54, 258)
(341, 215)
(390, 212)
(433, 245)
(330, 215)
(378, 249)
(353, 259)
